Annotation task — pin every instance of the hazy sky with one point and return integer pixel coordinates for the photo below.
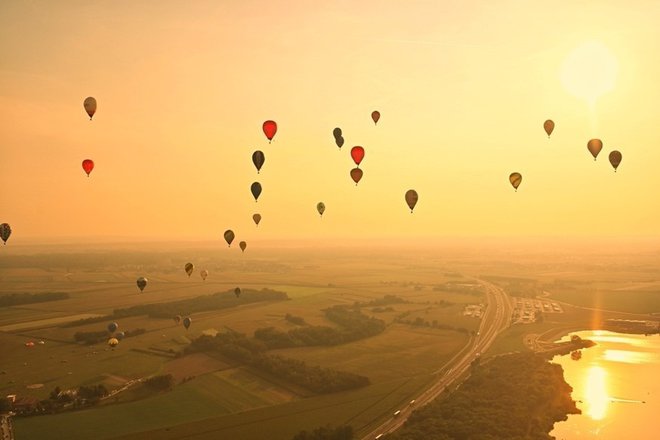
(463, 88)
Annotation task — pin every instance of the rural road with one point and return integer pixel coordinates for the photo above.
(495, 319)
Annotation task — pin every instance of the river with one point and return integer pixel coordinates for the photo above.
(616, 384)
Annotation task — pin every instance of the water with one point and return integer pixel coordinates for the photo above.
(617, 386)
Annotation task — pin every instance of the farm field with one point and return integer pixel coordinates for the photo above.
(214, 397)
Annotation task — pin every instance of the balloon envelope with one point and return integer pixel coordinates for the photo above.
(615, 159)
(229, 236)
(242, 245)
(189, 269)
(186, 322)
(237, 292)
(515, 179)
(594, 146)
(112, 327)
(375, 115)
(320, 207)
(270, 128)
(357, 153)
(120, 335)
(258, 159)
(204, 273)
(336, 132)
(5, 232)
(356, 175)
(113, 342)
(141, 283)
(411, 199)
(88, 166)
(177, 319)
(256, 218)
(90, 106)
(548, 126)
(339, 141)
(255, 189)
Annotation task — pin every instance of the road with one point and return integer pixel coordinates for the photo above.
(495, 319)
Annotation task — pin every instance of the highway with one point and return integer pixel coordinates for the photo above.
(495, 319)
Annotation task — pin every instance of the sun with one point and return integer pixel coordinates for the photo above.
(589, 71)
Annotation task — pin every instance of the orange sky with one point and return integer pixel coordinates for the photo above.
(463, 89)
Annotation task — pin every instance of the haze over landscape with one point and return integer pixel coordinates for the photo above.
(349, 308)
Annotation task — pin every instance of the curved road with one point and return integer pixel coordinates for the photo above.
(495, 319)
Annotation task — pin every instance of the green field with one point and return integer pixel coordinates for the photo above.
(219, 399)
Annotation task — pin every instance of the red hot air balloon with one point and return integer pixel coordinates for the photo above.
(357, 153)
(270, 128)
(375, 115)
(88, 166)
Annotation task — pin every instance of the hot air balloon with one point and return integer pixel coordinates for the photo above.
(356, 175)
(411, 199)
(256, 218)
(203, 273)
(5, 232)
(112, 327)
(229, 236)
(90, 106)
(186, 322)
(177, 319)
(548, 126)
(142, 283)
(237, 292)
(320, 207)
(270, 128)
(515, 179)
(594, 146)
(242, 245)
(88, 166)
(375, 115)
(615, 159)
(336, 132)
(339, 141)
(120, 335)
(258, 159)
(357, 153)
(255, 188)
(113, 342)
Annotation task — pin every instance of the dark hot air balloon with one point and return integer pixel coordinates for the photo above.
(5, 232)
(548, 126)
(356, 175)
(186, 322)
(90, 106)
(229, 236)
(189, 268)
(615, 159)
(112, 327)
(237, 292)
(255, 189)
(411, 199)
(177, 319)
(375, 115)
(258, 160)
(256, 218)
(594, 146)
(339, 141)
(515, 179)
(320, 207)
(141, 283)
(242, 245)
(204, 273)
(120, 335)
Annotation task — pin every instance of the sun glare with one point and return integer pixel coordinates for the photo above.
(596, 393)
(589, 71)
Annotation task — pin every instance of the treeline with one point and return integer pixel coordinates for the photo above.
(240, 348)
(326, 433)
(354, 325)
(90, 338)
(513, 397)
(459, 287)
(216, 301)
(16, 299)
(384, 301)
(421, 322)
(160, 383)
